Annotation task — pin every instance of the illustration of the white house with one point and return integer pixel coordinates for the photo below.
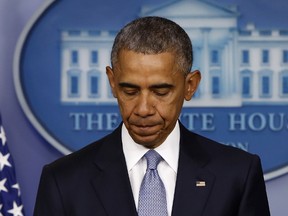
(240, 66)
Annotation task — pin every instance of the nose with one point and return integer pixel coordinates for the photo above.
(145, 106)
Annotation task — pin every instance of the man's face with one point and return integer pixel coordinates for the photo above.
(150, 91)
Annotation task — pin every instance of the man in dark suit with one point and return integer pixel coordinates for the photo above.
(150, 77)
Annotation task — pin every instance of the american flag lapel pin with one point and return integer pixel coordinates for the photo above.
(200, 183)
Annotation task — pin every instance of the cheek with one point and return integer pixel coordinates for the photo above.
(125, 108)
(173, 102)
(169, 111)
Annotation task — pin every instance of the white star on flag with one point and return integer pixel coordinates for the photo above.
(2, 185)
(2, 135)
(1, 210)
(16, 186)
(4, 161)
(16, 210)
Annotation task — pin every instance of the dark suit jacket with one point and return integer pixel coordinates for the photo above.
(94, 181)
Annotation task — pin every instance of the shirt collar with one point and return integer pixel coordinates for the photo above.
(169, 149)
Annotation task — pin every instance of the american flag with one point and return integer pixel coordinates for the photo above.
(10, 200)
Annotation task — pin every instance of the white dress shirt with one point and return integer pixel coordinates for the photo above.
(167, 169)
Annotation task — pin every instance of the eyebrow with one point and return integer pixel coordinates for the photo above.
(128, 85)
(155, 86)
(162, 85)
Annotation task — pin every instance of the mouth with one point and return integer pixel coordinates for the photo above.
(144, 126)
(145, 129)
(149, 134)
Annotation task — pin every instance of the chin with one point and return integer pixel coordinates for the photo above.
(148, 144)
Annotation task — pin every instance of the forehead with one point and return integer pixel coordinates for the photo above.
(130, 61)
(147, 70)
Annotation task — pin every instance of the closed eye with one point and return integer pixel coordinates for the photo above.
(161, 92)
(162, 89)
(130, 92)
(129, 89)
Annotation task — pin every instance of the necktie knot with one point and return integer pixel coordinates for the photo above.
(153, 159)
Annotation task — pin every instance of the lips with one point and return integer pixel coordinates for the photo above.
(145, 129)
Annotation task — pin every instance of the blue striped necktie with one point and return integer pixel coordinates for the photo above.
(152, 196)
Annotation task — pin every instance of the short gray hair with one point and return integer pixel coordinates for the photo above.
(155, 35)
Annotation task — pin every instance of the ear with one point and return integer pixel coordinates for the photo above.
(111, 78)
(192, 81)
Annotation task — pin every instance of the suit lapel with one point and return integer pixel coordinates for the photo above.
(111, 180)
(194, 182)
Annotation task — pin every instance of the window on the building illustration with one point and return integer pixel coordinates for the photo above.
(285, 57)
(284, 83)
(245, 57)
(265, 56)
(215, 57)
(215, 80)
(246, 83)
(215, 85)
(245, 33)
(265, 32)
(74, 83)
(265, 83)
(74, 57)
(94, 83)
(94, 33)
(94, 57)
(246, 86)
(74, 32)
(283, 32)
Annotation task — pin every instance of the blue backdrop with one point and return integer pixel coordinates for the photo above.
(29, 149)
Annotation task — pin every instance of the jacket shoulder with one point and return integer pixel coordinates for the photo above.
(214, 150)
(86, 156)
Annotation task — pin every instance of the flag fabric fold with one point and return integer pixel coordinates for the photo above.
(10, 196)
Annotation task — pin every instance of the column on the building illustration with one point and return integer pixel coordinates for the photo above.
(255, 82)
(206, 85)
(105, 56)
(83, 65)
(235, 77)
(64, 76)
(231, 71)
(226, 73)
(275, 83)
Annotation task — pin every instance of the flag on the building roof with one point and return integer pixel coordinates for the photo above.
(10, 197)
